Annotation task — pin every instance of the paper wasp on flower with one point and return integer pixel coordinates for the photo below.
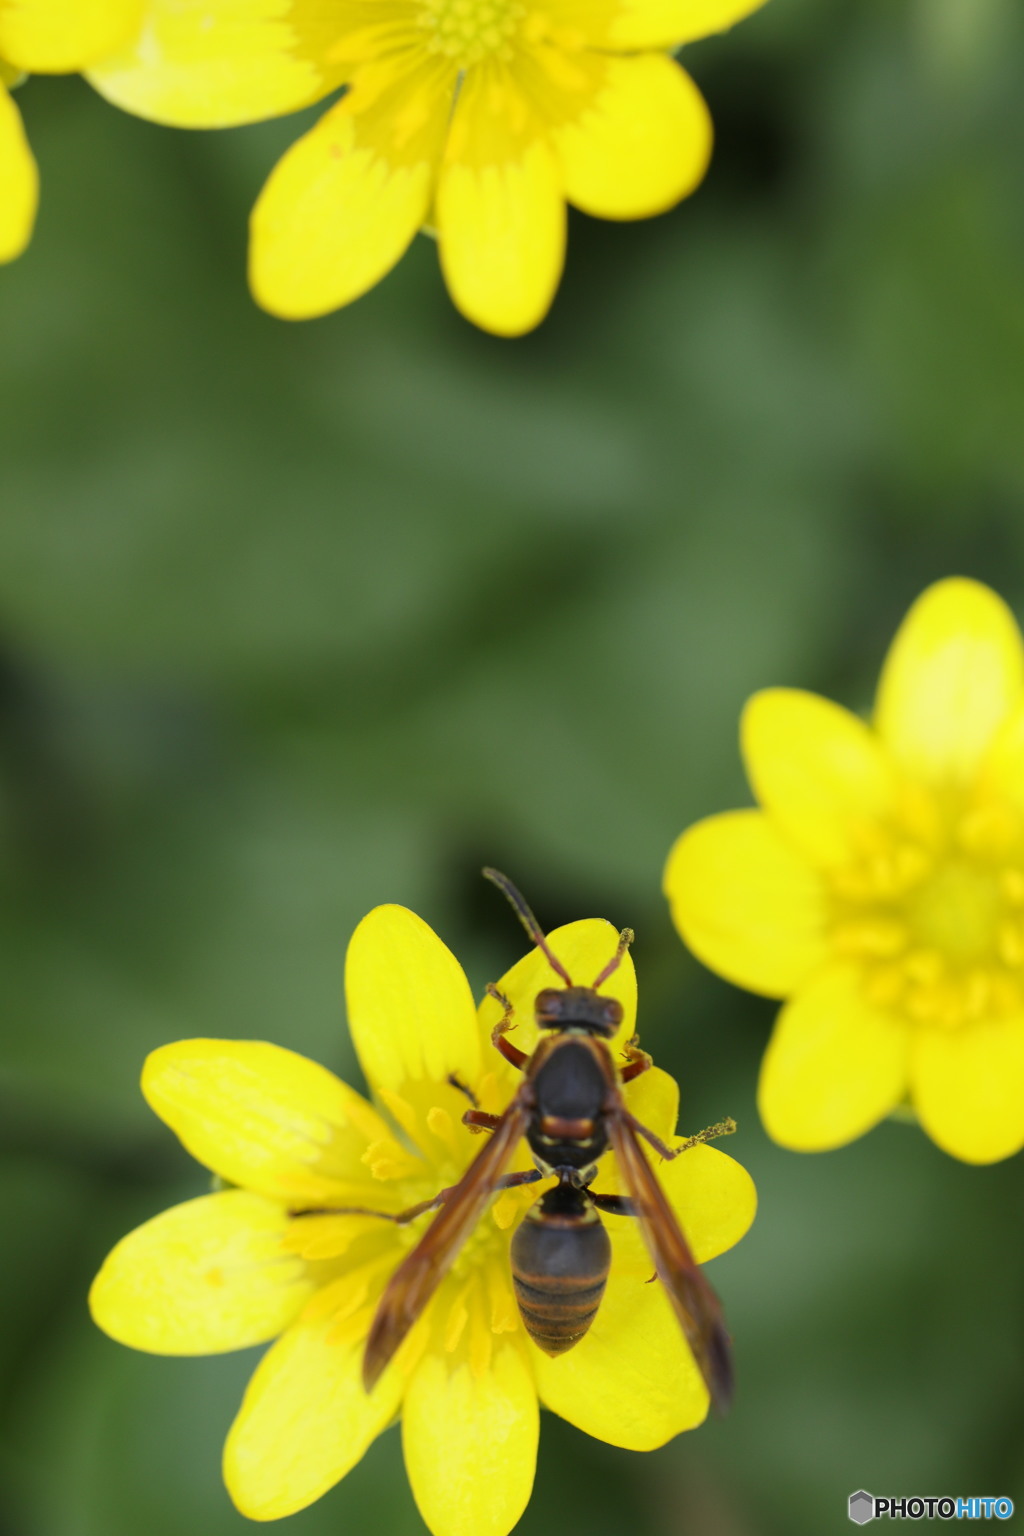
(571, 1110)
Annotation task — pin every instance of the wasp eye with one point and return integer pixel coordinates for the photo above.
(549, 1003)
(613, 1011)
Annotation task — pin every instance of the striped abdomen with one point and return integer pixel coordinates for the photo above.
(560, 1258)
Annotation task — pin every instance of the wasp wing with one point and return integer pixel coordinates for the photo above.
(421, 1271)
(693, 1301)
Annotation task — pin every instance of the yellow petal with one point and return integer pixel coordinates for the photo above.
(410, 1009)
(58, 36)
(834, 1067)
(584, 948)
(305, 1420)
(640, 143)
(343, 204)
(500, 207)
(470, 1438)
(201, 1278)
(266, 1118)
(968, 1088)
(19, 182)
(747, 903)
(633, 24)
(953, 674)
(1002, 769)
(211, 63)
(632, 1380)
(712, 1195)
(819, 772)
(653, 1098)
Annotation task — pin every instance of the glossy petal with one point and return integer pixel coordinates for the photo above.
(653, 1098)
(201, 1278)
(584, 948)
(818, 770)
(343, 204)
(58, 36)
(834, 1067)
(711, 1193)
(1002, 770)
(306, 1419)
(265, 1118)
(500, 207)
(968, 1088)
(470, 1439)
(638, 24)
(952, 676)
(19, 182)
(747, 903)
(632, 1380)
(410, 1010)
(211, 63)
(641, 142)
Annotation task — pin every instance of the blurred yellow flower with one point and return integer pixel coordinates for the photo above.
(205, 64)
(44, 37)
(478, 118)
(239, 1267)
(881, 889)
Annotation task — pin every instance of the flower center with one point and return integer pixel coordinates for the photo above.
(470, 30)
(956, 911)
(934, 912)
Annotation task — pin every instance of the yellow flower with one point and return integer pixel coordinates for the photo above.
(237, 1267)
(881, 889)
(212, 63)
(44, 37)
(478, 118)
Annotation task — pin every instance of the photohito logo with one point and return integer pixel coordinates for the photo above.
(864, 1507)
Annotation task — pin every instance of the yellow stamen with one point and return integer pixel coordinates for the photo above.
(455, 1326)
(387, 1160)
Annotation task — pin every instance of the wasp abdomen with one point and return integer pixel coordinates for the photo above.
(560, 1259)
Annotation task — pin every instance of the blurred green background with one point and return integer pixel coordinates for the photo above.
(297, 619)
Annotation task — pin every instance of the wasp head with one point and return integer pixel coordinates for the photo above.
(578, 1008)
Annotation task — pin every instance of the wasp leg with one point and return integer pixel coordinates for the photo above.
(625, 940)
(613, 1205)
(480, 1120)
(456, 1082)
(724, 1127)
(513, 1180)
(511, 1052)
(639, 1061)
(400, 1218)
(710, 1133)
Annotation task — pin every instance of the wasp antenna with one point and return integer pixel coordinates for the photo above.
(528, 920)
(625, 940)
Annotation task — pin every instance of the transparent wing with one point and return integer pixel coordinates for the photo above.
(421, 1272)
(694, 1302)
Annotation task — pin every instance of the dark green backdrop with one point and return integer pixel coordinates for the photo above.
(296, 619)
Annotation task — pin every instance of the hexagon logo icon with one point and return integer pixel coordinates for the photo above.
(862, 1507)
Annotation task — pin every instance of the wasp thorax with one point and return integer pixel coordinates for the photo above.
(578, 1008)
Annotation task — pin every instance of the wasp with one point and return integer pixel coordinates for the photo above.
(571, 1110)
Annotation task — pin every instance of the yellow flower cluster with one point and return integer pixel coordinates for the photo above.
(476, 119)
(240, 1267)
(880, 889)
